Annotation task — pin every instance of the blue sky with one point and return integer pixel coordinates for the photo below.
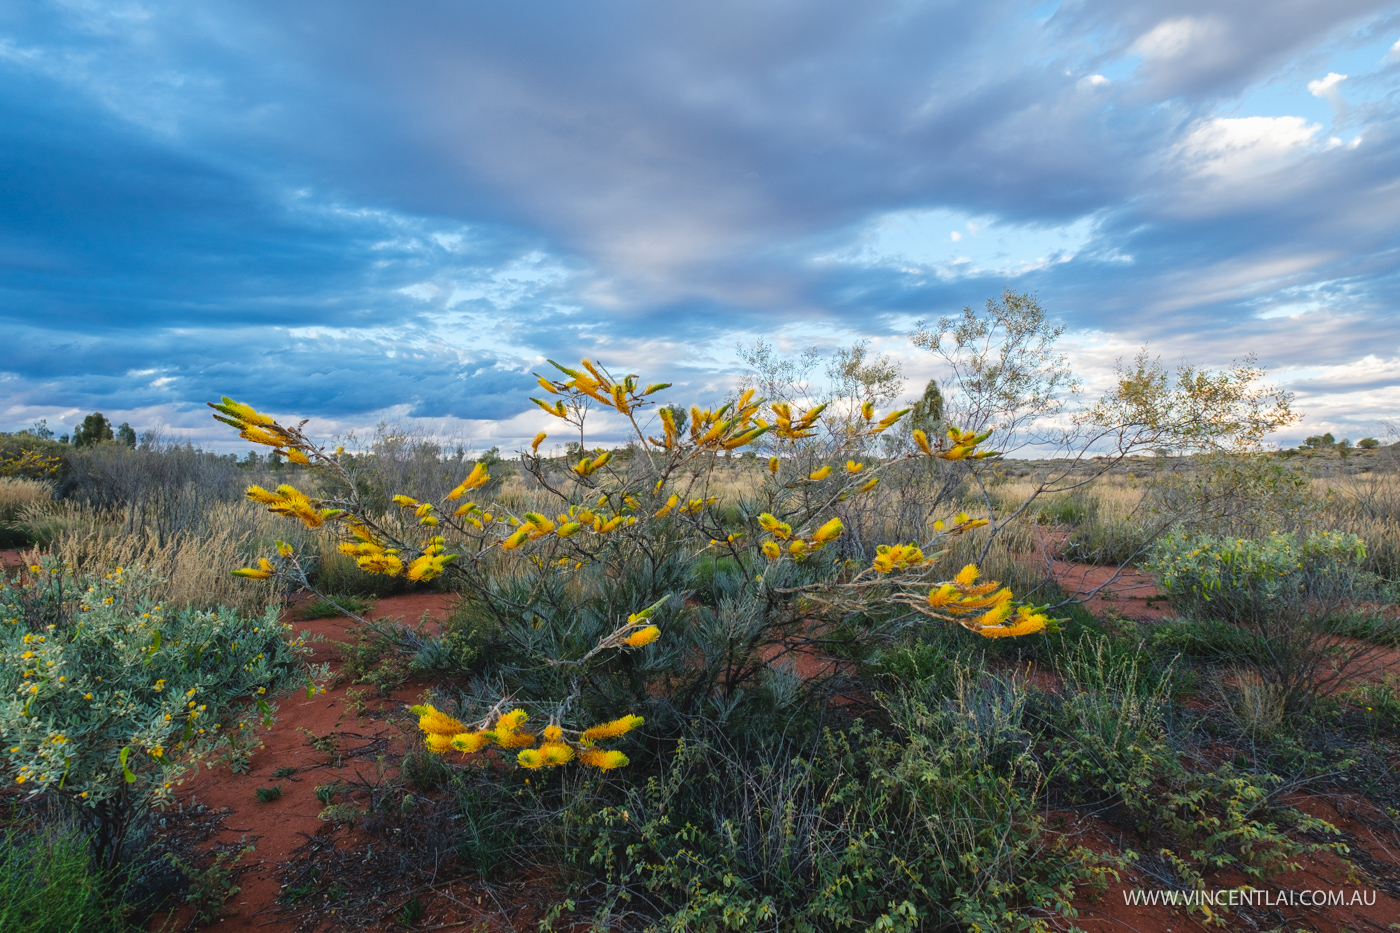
(353, 211)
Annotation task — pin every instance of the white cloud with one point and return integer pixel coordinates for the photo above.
(1324, 87)
(1175, 38)
(1091, 81)
(955, 236)
(1236, 148)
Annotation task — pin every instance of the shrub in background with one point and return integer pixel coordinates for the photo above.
(1283, 589)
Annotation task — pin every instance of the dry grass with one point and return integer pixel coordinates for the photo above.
(17, 494)
(195, 565)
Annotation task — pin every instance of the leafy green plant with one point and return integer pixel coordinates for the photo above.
(213, 885)
(269, 794)
(933, 825)
(107, 698)
(1282, 589)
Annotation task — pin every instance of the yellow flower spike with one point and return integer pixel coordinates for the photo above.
(670, 504)
(771, 524)
(469, 742)
(644, 636)
(569, 529)
(938, 525)
(869, 484)
(611, 524)
(604, 761)
(867, 410)
(611, 730)
(477, 478)
(556, 754)
(829, 532)
(539, 439)
(798, 548)
(818, 475)
(771, 550)
(558, 409)
(995, 616)
(434, 722)
(405, 502)
(967, 576)
(890, 419)
(773, 464)
(516, 539)
(546, 385)
(530, 758)
(921, 439)
(943, 596)
(553, 733)
(284, 549)
(514, 739)
(513, 720)
(853, 468)
(438, 744)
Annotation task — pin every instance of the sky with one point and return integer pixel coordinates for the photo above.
(356, 211)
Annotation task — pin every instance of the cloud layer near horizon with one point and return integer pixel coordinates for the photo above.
(350, 210)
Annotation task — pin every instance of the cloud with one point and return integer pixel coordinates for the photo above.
(408, 212)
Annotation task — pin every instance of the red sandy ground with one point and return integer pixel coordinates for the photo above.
(282, 826)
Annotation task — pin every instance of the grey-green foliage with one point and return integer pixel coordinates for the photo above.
(936, 824)
(106, 697)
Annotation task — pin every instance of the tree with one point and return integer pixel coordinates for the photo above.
(94, 430)
(126, 434)
(927, 415)
(40, 429)
(1368, 443)
(1005, 373)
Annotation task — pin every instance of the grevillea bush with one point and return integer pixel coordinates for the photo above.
(644, 579)
(108, 698)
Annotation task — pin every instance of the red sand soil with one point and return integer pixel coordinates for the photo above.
(281, 826)
(1133, 595)
(11, 559)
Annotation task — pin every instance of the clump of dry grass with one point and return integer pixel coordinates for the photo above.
(195, 565)
(17, 494)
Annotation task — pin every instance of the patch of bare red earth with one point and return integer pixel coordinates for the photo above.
(280, 827)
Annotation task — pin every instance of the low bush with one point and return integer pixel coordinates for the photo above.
(1249, 581)
(16, 495)
(935, 824)
(1283, 591)
(107, 697)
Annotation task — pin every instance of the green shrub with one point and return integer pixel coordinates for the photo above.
(333, 607)
(1245, 580)
(107, 698)
(1284, 590)
(1109, 728)
(935, 825)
